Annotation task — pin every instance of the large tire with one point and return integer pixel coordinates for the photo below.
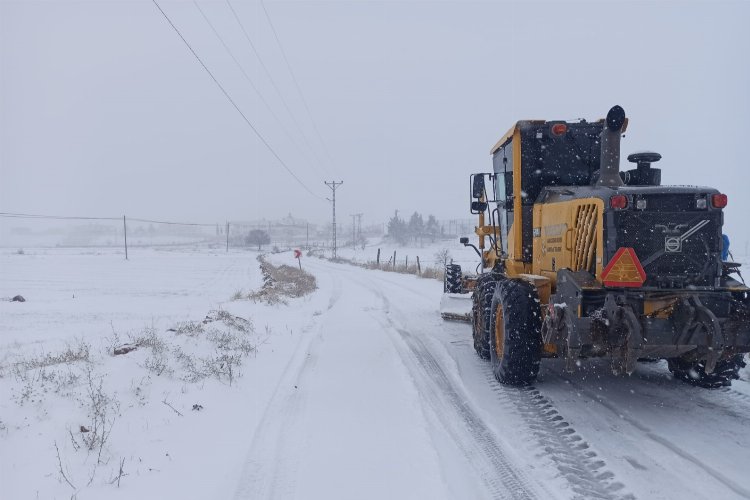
(515, 333)
(452, 279)
(694, 372)
(481, 308)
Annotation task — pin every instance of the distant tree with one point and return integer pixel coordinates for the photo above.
(398, 230)
(416, 226)
(257, 237)
(432, 228)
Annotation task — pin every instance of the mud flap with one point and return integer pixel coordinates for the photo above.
(627, 343)
(557, 328)
(573, 348)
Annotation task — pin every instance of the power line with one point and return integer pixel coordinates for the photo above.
(249, 80)
(296, 84)
(229, 98)
(67, 217)
(172, 223)
(57, 217)
(271, 79)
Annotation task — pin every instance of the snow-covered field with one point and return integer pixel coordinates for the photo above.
(359, 390)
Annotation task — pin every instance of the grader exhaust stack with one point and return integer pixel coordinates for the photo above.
(609, 170)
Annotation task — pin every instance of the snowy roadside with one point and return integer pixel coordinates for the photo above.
(171, 417)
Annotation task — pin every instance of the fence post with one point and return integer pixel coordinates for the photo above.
(125, 231)
(227, 236)
(406, 263)
(378, 259)
(394, 259)
(419, 267)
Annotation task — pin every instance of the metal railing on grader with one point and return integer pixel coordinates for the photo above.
(586, 261)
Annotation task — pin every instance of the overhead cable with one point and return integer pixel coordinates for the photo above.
(271, 79)
(67, 217)
(58, 217)
(249, 80)
(296, 83)
(229, 98)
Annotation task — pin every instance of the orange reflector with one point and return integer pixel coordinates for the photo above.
(624, 270)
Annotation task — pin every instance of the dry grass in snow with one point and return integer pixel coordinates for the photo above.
(282, 282)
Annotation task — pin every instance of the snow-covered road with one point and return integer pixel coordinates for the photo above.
(359, 390)
(387, 400)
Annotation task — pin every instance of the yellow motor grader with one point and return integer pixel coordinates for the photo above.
(581, 260)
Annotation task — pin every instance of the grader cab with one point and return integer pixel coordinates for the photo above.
(580, 260)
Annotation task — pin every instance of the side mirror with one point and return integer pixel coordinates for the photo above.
(477, 207)
(477, 186)
(464, 240)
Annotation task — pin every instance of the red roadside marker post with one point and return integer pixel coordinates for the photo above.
(298, 255)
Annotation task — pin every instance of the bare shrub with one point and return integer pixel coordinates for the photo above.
(50, 372)
(189, 328)
(58, 379)
(232, 341)
(119, 475)
(190, 366)
(157, 361)
(238, 295)
(224, 365)
(231, 345)
(230, 320)
(61, 469)
(139, 390)
(71, 354)
(148, 338)
(442, 257)
(101, 413)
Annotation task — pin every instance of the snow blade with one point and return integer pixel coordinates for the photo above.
(456, 307)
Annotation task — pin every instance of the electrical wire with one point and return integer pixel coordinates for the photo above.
(273, 82)
(250, 81)
(118, 219)
(296, 84)
(171, 223)
(57, 217)
(229, 98)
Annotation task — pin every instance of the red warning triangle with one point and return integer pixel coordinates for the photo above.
(624, 269)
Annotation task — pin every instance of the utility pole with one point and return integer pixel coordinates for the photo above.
(354, 228)
(125, 232)
(359, 224)
(333, 185)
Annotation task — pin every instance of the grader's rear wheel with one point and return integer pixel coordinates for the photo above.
(694, 372)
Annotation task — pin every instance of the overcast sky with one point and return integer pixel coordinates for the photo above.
(104, 111)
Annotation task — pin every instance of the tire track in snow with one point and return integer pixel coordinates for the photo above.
(563, 445)
(664, 442)
(279, 429)
(500, 474)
